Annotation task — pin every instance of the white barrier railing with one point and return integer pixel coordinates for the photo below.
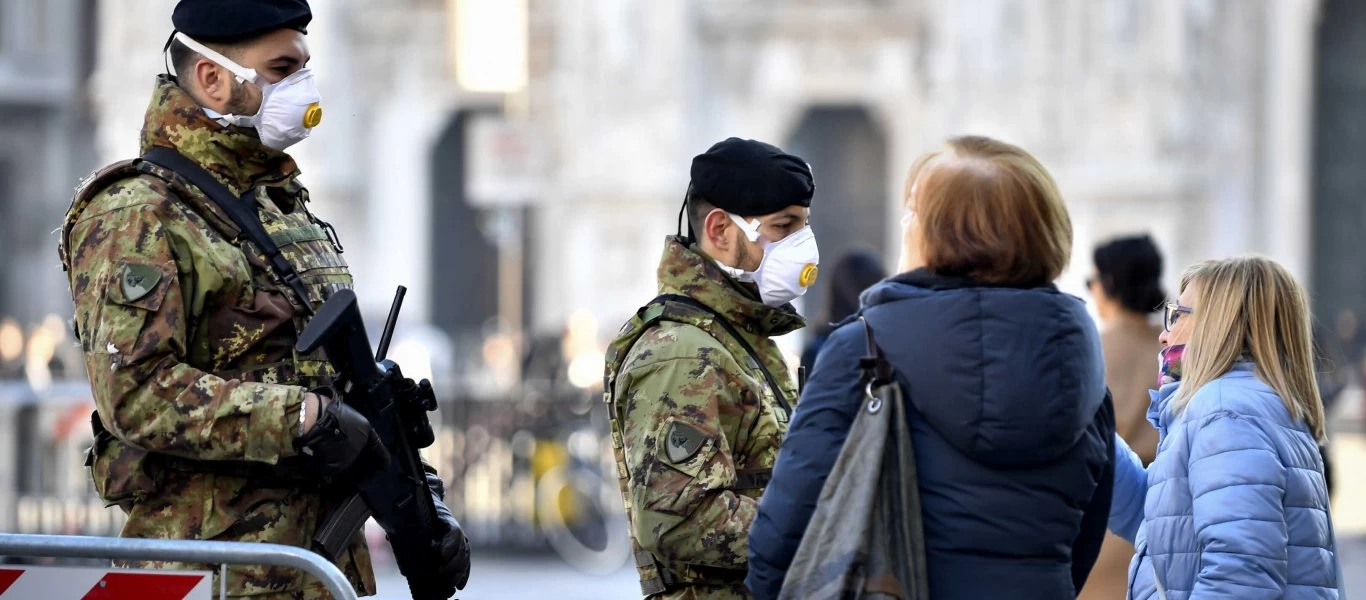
(191, 551)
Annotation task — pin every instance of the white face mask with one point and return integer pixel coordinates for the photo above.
(789, 266)
(289, 108)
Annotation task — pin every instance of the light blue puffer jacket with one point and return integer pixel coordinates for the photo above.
(1234, 506)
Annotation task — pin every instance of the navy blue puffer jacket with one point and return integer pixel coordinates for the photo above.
(1012, 429)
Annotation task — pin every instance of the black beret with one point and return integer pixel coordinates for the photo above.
(227, 21)
(750, 178)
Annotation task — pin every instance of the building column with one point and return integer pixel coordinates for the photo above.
(1288, 121)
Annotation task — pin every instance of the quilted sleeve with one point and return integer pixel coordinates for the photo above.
(1131, 485)
(1237, 485)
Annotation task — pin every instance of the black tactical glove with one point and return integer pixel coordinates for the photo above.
(453, 549)
(342, 441)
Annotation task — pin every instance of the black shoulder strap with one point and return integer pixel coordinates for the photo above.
(877, 370)
(730, 328)
(242, 211)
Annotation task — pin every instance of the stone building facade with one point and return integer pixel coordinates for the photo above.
(1190, 119)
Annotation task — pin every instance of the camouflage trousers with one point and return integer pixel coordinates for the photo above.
(309, 592)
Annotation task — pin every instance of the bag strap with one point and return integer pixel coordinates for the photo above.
(877, 370)
(241, 210)
(730, 328)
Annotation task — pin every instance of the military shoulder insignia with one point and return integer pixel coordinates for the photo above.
(683, 442)
(138, 280)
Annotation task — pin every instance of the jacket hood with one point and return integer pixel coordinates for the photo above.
(1009, 376)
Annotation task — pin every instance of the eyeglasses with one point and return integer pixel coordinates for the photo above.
(1173, 313)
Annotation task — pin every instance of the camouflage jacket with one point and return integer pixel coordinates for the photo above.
(189, 342)
(696, 425)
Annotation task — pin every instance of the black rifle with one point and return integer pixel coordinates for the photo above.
(397, 496)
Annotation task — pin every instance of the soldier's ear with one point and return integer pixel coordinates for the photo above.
(214, 82)
(716, 229)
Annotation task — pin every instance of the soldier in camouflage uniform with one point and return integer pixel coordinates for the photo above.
(699, 395)
(203, 405)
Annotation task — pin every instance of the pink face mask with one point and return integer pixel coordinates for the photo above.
(1169, 364)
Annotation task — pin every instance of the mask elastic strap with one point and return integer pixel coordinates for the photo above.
(734, 273)
(243, 74)
(225, 120)
(751, 228)
(683, 209)
(166, 53)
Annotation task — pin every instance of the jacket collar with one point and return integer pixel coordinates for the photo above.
(685, 270)
(1160, 409)
(234, 155)
(925, 278)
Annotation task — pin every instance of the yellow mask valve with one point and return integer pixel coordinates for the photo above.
(313, 115)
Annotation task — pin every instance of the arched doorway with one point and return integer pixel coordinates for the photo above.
(464, 261)
(848, 156)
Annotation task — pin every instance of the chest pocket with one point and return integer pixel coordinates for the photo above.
(757, 446)
(304, 242)
(307, 246)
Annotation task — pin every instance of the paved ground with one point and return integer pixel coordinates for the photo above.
(499, 577)
(1354, 565)
(527, 578)
(532, 578)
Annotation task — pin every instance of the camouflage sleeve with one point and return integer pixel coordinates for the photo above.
(683, 509)
(131, 315)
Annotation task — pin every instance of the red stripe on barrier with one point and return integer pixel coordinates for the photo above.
(7, 578)
(143, 586)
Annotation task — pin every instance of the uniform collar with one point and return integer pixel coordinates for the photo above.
(685, 270)
(234, 155)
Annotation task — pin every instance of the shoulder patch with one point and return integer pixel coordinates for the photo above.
(138, 280)
(684, 441)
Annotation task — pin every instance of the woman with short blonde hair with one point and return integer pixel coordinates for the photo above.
(1011, 423)
(1235, 504)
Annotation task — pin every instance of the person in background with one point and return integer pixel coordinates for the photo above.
(1009, 416)
(1235, 504)
(1335, 374)
(1127, 288)
(853, 273)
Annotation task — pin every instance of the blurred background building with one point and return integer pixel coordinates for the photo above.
(517, 164)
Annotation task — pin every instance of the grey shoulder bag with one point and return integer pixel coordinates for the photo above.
(866, 537)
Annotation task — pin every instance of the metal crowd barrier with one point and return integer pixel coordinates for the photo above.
(194, 551)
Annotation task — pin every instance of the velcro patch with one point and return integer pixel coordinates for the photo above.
(683, 442)
(137, 280)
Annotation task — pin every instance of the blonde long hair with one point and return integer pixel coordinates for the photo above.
(1251, 308)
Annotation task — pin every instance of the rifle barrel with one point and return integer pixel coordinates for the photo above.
(389, 324)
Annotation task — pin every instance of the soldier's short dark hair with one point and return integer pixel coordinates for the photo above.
(698, 209)
(183, 58)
